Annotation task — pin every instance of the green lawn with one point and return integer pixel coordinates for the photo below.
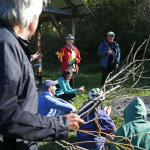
(92, 80)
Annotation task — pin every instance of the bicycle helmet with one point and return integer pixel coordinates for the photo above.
(94, 93)
(69, 36)
(111, 33)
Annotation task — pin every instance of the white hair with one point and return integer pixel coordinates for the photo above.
(20, 12)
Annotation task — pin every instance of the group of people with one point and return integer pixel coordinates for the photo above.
(26, 118)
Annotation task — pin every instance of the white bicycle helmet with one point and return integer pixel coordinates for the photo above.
(111, 33)
(94, 93)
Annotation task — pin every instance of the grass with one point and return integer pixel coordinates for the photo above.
(90, 79)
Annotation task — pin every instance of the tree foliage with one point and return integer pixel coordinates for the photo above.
(129, 19)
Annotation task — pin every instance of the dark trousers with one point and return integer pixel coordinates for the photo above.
(71, 82)
(105, 71)
(67, 97)
(106, 146)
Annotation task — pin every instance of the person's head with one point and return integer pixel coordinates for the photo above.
(50, 85)
(110, 36)
(136, 110)
(21, 15)
(67, 75)
(95, 92)
(69, 39)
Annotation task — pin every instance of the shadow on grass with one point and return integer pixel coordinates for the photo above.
(54, 146)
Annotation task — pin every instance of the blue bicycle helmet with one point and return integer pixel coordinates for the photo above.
(69, 36)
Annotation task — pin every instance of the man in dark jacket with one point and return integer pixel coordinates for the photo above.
(20, 125)
(110, 56)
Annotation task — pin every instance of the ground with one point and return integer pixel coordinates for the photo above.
(94, 81)
(120, 104)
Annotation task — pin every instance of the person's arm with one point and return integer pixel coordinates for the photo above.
(78, 57)
(16, 122)
(106, 123)
(101, 52)
(120, 132)
(63, 85)
(118, 55)
(59, 104)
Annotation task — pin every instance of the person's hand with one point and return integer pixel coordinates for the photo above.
(81, 90)
(75, 59)
(39, 56)
(110, 137)
(74, 121)
(59, 57)
(109, 52)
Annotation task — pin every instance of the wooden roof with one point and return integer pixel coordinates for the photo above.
(62, 9)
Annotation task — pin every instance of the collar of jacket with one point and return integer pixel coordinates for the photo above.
(47, 93)
(106, 43)
(23, 43)
(69, 47)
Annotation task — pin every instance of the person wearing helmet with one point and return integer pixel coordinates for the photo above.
(71, 58)
(109, 52)
(103, 124)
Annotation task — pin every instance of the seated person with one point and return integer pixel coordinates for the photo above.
(64, 91)
(49, 105)
(103, 124)
(135, 123)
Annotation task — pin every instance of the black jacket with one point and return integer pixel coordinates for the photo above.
(19, 99)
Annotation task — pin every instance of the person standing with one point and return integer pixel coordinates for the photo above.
(20, 125)
(71, 58)
(109, 52)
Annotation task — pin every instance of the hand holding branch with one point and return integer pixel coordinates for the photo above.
(74, 121)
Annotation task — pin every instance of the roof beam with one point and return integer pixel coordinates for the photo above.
(71, 5)
(56, 25)
(74, 5)
(57, 11)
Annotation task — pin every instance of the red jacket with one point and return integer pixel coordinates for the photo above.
(65, 59)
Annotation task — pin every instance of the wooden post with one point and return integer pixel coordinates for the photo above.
(38, 48)
(72, 26)
(56, 25)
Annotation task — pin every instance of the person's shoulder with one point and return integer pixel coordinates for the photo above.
(60, 79)
(64, 47)
(116, 43)
(7, 37)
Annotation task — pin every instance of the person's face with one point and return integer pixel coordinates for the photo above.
(33, 26)
(68, 77)
(110, 38)
(53, 89)
(69, 42)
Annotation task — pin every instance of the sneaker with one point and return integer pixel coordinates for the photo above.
(69, 101)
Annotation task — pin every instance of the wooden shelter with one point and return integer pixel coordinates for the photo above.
(57, 10)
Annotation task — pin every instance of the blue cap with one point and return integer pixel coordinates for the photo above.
(48, 83)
